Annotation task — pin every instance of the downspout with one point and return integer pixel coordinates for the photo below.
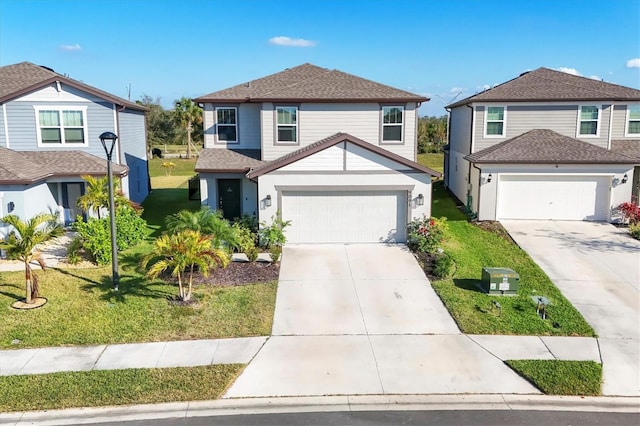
(6, 125)
(469, 201)
(479, 186)
(415, 133)
(447, 165)
(610, 126)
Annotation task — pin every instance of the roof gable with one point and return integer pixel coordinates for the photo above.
(309, 82)
(19, 79)
(543, 146)
(329, 142)
(545, 84)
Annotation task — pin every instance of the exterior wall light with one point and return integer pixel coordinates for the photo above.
(489, 178)
(625, 178)
(420, 200)
(267, 200)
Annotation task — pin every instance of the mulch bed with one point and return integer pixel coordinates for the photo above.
(427, 263)
(494, 227)
(240, 273)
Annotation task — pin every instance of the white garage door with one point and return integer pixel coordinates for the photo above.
(553, 197)
(345, 217)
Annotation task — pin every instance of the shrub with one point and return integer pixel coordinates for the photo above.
(634, 230)
(246, 241)
(273, 235)
(275, 251)
(205, 221)
(444, 266)
(425, 235)
(248, 221)
(96, 233)
(74, 251)
(630, 212)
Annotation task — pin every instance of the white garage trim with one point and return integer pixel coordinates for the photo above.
(351, 215)
(576, 196)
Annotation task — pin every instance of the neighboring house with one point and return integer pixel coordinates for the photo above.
(334, 153)
(545, 145)
(49, 138)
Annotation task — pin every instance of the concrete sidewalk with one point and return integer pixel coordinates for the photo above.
(188, 353)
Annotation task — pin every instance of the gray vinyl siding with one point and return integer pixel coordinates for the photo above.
(460, 132)
(132, 138)
(248, 126)
(3, 137)
(619, 125)
(21, 118)
(559, 118)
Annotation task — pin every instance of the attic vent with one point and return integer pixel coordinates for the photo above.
(247, 84)
(526, 72)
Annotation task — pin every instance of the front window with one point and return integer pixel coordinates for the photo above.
(495, 121)
(287, 124)
(633, 120)
(392, 123)
(227, 124)
(588, 125)
(58, 126)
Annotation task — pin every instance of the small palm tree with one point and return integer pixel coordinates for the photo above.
(96, 195)
(188, 113)
(22, 241)
(207, 222)
(181, 251)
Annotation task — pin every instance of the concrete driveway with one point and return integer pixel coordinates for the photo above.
(597, 267)
(363, 319)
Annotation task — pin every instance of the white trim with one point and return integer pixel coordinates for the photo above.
(555, 174)
(215, 119)
(598, 121)
(473, 132)
(60, 109)
(401, 125)
(116, 129)
(626, 121)
(6, 125)
(504, 121)
(277, 125)
(610, 132)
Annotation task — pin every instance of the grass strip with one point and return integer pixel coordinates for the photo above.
(182, 167)
(434, 161)
(115, 387)
(556, 377)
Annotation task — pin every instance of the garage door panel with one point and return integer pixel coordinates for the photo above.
(347, 216)
(553, 197)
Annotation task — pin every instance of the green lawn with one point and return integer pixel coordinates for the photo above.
(475, 312)
(556, 377)
(183, 167)
(161, 203)
(115, 387)
(434, 161)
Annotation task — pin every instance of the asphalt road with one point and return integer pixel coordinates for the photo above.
(425, 418)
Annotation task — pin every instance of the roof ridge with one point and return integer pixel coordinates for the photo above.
(274, 90)
(566, 83)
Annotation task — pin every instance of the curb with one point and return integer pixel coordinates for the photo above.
(226, 407)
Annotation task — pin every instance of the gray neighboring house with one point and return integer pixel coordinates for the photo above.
(333, 152)
(545, 145)
(49, 137)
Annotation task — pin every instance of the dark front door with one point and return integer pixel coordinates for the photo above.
(229, 198)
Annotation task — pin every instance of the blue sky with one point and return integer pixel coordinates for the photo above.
(170, 49)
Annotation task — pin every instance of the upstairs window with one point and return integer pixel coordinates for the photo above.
(392, 117)
(588, 123)
(287, 124)
(227, 124)
(494, 123)
(633, 120)
(58, 126)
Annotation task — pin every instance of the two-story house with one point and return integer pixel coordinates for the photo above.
(545, 145)
(333, 153)
(49, 137)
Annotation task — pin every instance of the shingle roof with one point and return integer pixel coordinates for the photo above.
(542, 146)
(25, 77)
(329, 142)
(23, 167)
(545, 84)
(308, 82)
(228, 160)
(630, 148)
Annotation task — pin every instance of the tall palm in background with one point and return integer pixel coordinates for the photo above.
(22, 241)
(188, 114)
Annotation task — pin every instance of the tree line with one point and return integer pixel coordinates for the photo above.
(182, 125)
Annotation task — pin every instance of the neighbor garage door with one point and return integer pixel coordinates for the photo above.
(553, 197)
(345, 217)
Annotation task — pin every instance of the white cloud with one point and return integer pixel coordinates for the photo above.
(483, 87)
(70, 47)
(571, 71)
(633, 63)
(457, 89)
(292, 42)
(595, 77)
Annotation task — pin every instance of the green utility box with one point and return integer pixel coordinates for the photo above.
(502, 281)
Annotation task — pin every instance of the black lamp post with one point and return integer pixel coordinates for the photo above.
(108, 140)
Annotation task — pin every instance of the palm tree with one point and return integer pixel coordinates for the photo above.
(181, 251)
(207, 222)
(188, 113)
(22, 241)
(96, 195)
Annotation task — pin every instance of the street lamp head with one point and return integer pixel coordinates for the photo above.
(108, 138)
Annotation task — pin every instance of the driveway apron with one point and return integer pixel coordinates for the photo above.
(597, 267)
(363, 319)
